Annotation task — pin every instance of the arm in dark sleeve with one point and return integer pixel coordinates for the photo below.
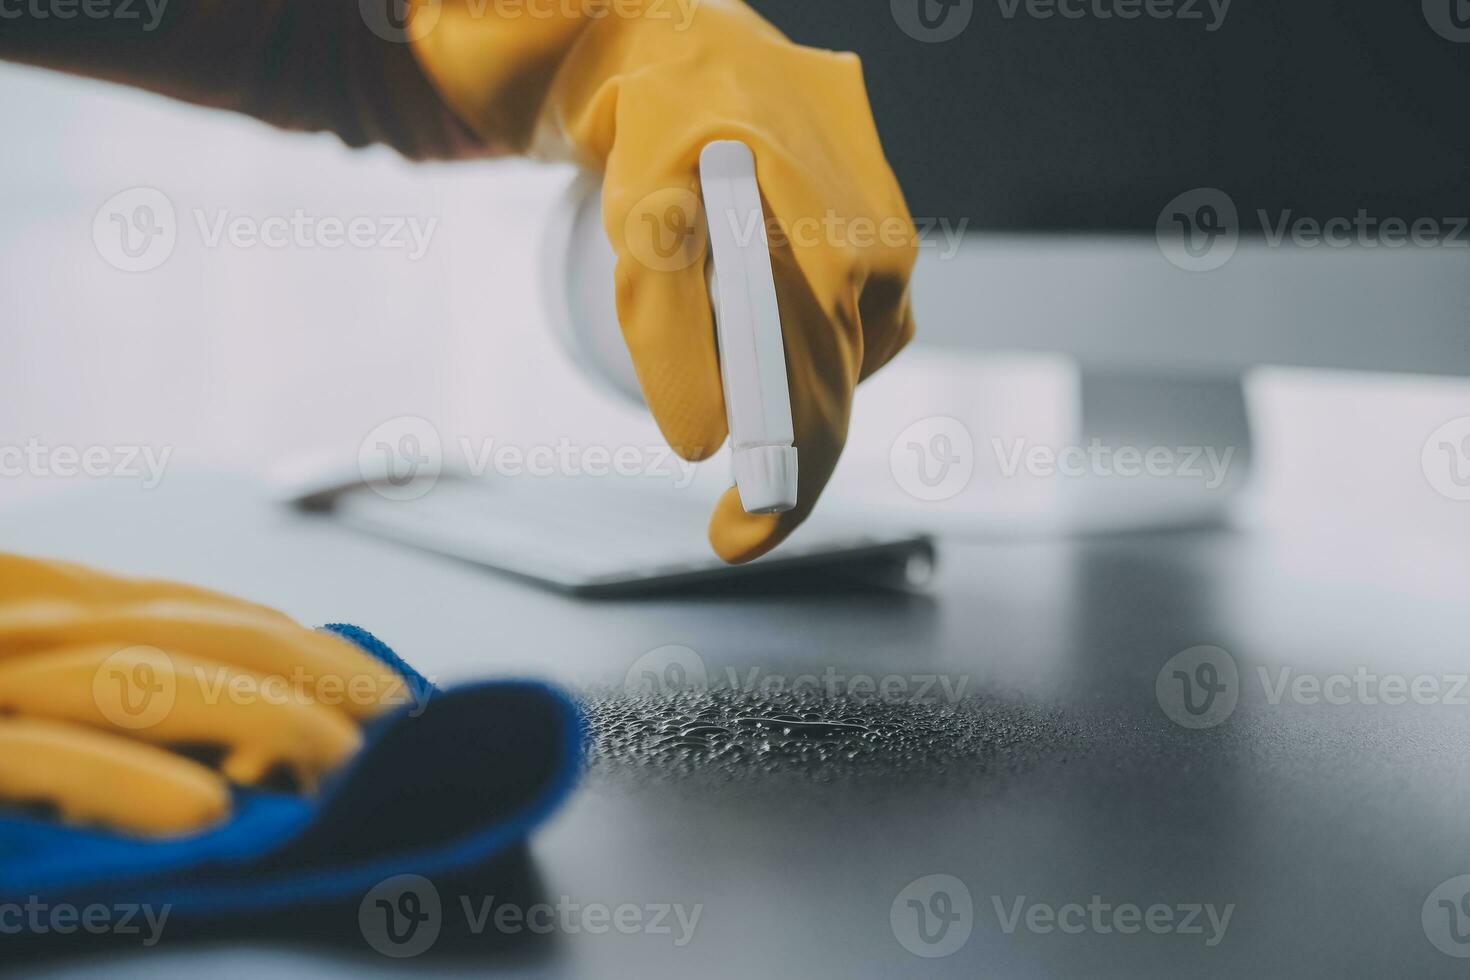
(311, 65)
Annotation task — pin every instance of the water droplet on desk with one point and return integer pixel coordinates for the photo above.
(728, 735)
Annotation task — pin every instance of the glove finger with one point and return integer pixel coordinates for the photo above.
(92, 777)
(661, 241)
(822, 354)
(888, 319)
(738, 537)
(172, 699)
(833, 339)
(316, 661)
(23, 578)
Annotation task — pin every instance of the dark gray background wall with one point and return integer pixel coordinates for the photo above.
(1324, 107)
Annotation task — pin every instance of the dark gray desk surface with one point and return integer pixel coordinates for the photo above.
(1326, 826)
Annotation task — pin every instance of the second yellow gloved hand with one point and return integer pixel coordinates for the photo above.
(111, 688)
(636, 89)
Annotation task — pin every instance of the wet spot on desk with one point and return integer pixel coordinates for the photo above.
(731, 735)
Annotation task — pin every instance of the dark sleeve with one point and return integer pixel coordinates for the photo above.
(313, 65)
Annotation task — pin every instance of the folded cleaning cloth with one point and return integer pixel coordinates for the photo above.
(444, 784)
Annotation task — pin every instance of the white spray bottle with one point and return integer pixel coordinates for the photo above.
(579, 296)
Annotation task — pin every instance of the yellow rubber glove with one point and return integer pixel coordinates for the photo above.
(636, 91)
(101, 676)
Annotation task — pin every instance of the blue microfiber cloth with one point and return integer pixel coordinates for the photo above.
(456, 779)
